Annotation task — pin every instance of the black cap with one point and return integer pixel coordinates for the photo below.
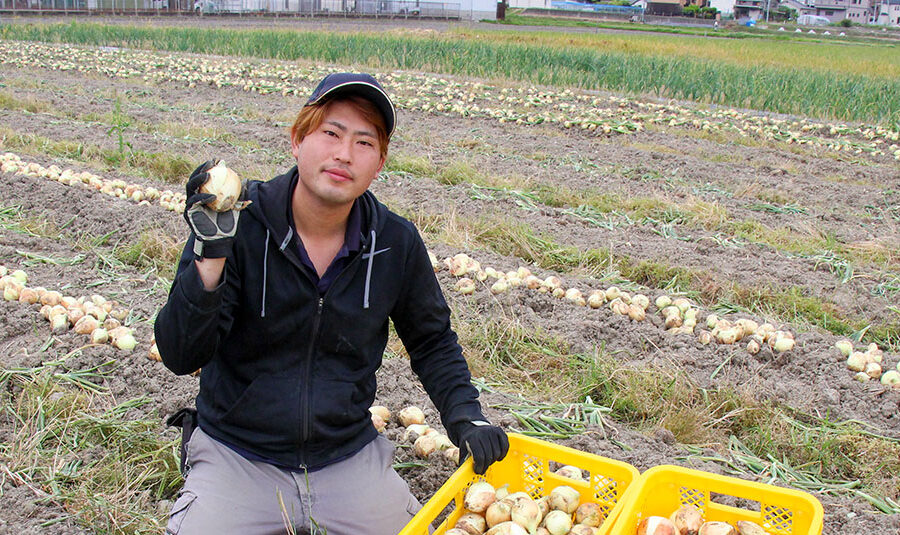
(364, 85)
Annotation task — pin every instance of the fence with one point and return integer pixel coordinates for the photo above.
(349, 8)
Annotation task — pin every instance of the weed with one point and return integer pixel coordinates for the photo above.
(399, 162)
(120, 122)
(153, 249)
(75, 445)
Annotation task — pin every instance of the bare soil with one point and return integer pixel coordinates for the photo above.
(668, 164)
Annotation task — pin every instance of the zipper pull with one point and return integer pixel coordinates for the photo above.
(321, 303)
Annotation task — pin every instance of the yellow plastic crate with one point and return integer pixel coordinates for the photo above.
(663, 489)
(527, 468)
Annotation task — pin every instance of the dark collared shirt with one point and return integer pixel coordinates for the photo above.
(352, 241)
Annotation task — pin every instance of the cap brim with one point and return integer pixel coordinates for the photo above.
(368, 91)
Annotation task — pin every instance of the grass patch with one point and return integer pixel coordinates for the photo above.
(73, 444)
(400, 162)
(8, 101)
(506, 349)
(153, 250)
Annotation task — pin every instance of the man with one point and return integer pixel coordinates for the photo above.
(285, 307)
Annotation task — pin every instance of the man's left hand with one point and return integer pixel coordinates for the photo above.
(484, 442)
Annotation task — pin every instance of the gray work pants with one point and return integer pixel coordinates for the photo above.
(224, 493)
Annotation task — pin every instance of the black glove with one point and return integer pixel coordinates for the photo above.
(213, 231)
(486, 444)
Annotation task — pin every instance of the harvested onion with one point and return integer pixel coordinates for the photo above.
(225, 185)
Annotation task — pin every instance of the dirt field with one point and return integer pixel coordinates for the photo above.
(852, 200)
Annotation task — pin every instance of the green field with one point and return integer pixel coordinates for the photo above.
(859, 82)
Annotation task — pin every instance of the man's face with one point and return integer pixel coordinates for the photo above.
(338, 160)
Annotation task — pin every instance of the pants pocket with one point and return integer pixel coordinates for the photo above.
(179, 512)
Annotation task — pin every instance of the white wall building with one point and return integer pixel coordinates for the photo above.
(530, 3)
(726, 7)
(887, 13)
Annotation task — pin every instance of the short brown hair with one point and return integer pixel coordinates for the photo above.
(310, 117)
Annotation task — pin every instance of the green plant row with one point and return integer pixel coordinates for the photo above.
(778, 89)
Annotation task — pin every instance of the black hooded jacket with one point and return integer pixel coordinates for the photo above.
(288, 375)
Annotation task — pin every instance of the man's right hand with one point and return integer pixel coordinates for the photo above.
(213, 231)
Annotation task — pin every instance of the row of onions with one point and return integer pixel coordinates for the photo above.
(436, 94)
(679, 315)
(94, 316)
(13, 163)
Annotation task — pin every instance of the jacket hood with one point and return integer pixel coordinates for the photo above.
(270, 205)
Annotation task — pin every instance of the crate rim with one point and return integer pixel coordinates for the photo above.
(446, 493)
(629, 500)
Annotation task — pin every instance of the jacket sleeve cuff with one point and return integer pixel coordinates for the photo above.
(196, 294)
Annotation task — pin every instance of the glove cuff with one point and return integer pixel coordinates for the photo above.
(219, 248)
(461, 428)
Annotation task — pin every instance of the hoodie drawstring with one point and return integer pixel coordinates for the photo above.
(369, 270)
(284, 243)
(265, 272)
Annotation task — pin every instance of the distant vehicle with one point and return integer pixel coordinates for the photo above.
(813, 20)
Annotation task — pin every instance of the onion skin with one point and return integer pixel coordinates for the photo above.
(656, 525)
(558, 522)
(479, 497)
(225, 185)
(378, 422)
(745, 527)
(411, 415)
(125, 342)
(589, 514)
(100, 336)
(525, 511)
(891, 378)
(687, 520)
(564, 498)
(472, 524)
(844, 346)
(497, 513)
(571, 472)
(382, 411)
(507, 528)
(543, 504)
(716, 528)
(85, 325)
(424, 446)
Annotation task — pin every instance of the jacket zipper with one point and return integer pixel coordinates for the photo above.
(304, 398)
(305, 409)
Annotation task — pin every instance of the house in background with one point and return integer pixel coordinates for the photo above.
(750, 9)
(800, 6)
(887, 13)
(663, 7)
